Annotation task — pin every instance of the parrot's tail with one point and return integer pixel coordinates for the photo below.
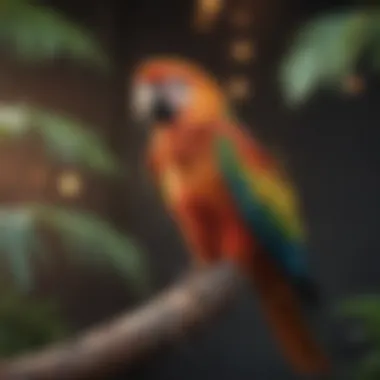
(283, 313)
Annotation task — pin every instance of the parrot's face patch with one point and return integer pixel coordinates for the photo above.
(170, 92)
(160, 101)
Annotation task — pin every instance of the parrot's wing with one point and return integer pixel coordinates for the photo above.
(265, 201)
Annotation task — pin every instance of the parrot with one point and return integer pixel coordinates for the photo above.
(229, 197)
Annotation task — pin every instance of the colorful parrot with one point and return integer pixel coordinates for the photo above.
(229, 197)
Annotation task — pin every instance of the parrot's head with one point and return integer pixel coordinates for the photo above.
(170, 91)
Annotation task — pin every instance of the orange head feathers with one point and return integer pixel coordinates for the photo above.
(174, 91)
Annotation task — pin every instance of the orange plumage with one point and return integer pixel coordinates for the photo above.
(229, 198)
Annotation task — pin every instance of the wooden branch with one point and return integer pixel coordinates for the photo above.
(120, 342)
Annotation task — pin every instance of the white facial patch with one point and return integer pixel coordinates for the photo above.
(143, 97)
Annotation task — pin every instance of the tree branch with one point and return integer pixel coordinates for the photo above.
(120, 342)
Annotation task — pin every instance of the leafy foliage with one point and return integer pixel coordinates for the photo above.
(97, 240)
(37, 33)
(27, 323)
(366, 309)
(87, 237)
(326, 51)
(66, 139)
(369, 367)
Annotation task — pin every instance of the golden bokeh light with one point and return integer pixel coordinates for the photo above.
(206, 13)
(242, 50)
(70, 184)
(238, 87)
(210, 6)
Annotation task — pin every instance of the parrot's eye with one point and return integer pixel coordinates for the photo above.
(177, 92)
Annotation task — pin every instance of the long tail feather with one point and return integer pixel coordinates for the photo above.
(283, 313)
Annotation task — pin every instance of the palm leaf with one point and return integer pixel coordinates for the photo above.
(369, 367)
(327, 49)
(37, 33)
(27, 323)
(65, 138)
(94, 240)
(88, 239)
(17, 228)
(376, 42)
(366, 309)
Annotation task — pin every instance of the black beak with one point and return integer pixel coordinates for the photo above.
(162, 111)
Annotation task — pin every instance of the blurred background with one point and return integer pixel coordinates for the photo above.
(73, 190)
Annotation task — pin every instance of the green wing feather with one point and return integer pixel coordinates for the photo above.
(266, 203)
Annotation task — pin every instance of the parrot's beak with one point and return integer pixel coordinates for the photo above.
(162, 111)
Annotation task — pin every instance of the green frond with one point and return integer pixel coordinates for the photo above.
(26, 323)
(71, 141)
(18, 239)
(93, 240)
(35, 33)
(369, 367)
(65, 138)
(326, 50)
(365, 308)
(376, 42)
(87, 237)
